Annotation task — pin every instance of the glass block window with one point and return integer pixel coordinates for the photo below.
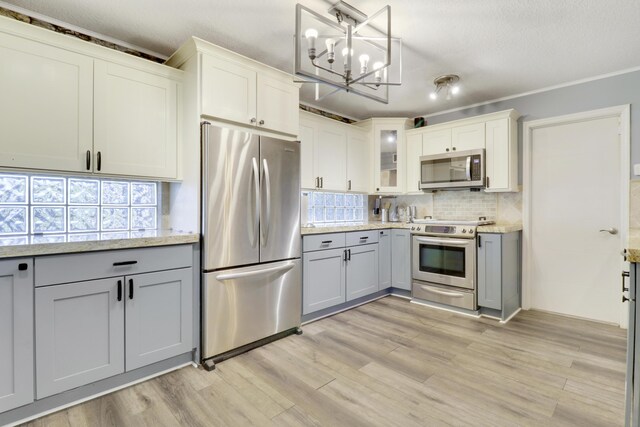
(48, 207)
(335, 207)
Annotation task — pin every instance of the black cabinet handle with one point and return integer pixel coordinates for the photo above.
(626, 299)
(321, 182)
(130, 288)
(99, 161)
(348, 254)
(326, 242)
(23, 266)
(381, 233)
(344, 255)
(624, 274)
(479, 241)
(119, 290)
(365, 238)
(88, 160)
(121, 263)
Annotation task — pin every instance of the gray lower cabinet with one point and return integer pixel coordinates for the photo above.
(401, 259)
(323, 279)
(158, 316)
(362, 271)
(499, 261)
(90, 329)
(16, 333)
(79, 334)
(384, 259)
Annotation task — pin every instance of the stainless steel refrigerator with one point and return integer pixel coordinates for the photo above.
(252, 275)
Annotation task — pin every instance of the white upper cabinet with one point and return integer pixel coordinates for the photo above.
(502, 155)
(331, 157)
(389, 154)
(358, 160)
(46, 106)
(228, 90)
(436, 141)
(278, 105)
(234, 89)
(469, 137)
(71, 106)
(414, 151)
(334, 156)
(497, 133)
(135, 122)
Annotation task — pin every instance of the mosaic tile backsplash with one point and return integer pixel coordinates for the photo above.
(51, 205)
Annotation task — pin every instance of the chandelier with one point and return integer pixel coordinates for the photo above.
(351, 52)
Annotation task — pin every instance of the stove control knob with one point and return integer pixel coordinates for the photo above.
(471, 231)
(464, 230)
(418, 228)
(413, 228)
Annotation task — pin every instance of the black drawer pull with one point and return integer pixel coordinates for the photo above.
(348, 254)
(365, 238)
(326, 242)
(130, 288)
(23, 266)
(119, 290)
(121, 263)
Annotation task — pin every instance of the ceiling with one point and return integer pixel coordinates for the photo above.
(499, 48)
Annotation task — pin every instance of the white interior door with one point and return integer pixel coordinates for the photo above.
(574, 268)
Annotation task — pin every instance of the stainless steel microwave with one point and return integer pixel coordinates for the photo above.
(461, 169)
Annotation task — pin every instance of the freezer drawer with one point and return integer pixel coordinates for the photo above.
(247, 304)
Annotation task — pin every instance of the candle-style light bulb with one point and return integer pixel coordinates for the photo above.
(331, 50)
(311, 35)
(378, 74)
(364, 62)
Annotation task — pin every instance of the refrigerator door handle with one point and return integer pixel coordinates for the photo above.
(267, 221)
(261, 272)
(256, 189)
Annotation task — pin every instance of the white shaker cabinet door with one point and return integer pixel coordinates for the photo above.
(331, 155)
(46, 106)
(135, 123)
(358, 161)
(228, 91)
(436, 142)
(414, 151)
(308, 136)
(468, 137)
(278, 105)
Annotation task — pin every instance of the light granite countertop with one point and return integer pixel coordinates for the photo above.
(633, 245)
(22, 246)
(499, 228)
(341, 228)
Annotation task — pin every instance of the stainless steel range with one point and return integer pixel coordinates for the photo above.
(443, 267)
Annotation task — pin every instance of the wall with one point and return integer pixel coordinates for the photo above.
(503, 208)
(593, 95)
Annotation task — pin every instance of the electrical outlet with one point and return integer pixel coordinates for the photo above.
(636, 169)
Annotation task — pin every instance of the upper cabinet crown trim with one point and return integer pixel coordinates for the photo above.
(195, 45)
(511, 114)
(72, 44)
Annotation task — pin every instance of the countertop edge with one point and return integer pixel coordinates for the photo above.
(38, 249)
(310, 231)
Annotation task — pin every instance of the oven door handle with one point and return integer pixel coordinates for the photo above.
(453, 242)
(445, 293)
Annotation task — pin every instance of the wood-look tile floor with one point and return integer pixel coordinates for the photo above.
(391, 363)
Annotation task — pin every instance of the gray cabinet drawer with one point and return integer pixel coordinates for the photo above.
(444, 295)
(355, 238)
(51, 270)
(319, 242)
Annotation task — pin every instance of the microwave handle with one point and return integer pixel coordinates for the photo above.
(468, 168)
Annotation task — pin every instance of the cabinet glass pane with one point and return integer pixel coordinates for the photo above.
(388, 158)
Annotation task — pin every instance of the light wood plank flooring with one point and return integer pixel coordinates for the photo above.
(391, 363)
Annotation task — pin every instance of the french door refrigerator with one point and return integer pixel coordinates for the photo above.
(252, 275)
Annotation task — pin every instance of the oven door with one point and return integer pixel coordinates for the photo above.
(444, 261)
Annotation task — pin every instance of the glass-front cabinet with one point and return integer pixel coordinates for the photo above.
(389, 155)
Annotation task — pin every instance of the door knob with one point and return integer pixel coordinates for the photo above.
(611, 230)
